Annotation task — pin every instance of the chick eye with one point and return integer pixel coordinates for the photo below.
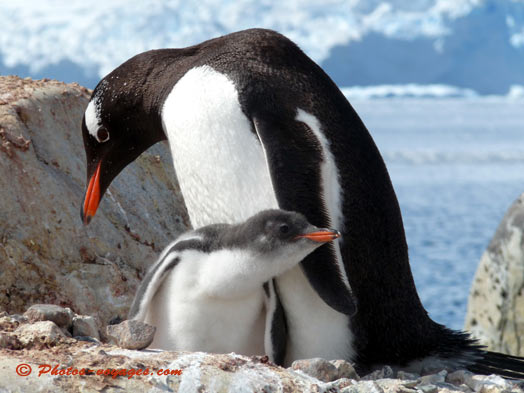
(102, 134)
(283, 229)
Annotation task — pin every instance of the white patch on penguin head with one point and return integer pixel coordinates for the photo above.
(94, 124)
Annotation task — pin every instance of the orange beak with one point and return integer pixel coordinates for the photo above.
(92, 198)
(321, 236)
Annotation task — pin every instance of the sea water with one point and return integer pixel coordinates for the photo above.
(456, 166)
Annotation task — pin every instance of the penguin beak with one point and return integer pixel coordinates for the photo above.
(92, 197)
(321, 235)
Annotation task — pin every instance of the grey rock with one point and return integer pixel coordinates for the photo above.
(131, 334)
(88, 339)
(458, 377)
(449, 386)
(84, 325)
(496, 299)
(41, 333)
(407, 376)
(433, 378)
(464, 388)
(19, 318)
(95, 269)
(428, 388)
(317, 367)
(364, 387)
(410, 383)
(9, 341)
(63, 317)
(487, 383)
(344, 369)
(384, 372)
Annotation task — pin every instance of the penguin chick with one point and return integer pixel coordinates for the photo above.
(206, 292)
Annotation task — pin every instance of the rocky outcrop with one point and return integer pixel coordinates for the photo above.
(496, 302)
(41, 356)
(46, 254)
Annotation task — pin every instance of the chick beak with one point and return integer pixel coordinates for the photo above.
(321, 235)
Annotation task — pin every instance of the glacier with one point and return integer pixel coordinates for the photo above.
(357, 42)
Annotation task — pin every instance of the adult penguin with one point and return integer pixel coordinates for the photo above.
(253, 124)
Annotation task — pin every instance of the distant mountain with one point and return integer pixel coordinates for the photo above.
(480, 53)
(472, 44)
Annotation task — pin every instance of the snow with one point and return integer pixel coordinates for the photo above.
(516, 92)
(100, 34)
(409, 90)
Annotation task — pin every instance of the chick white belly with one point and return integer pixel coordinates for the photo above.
(223, 175)
(187, 320)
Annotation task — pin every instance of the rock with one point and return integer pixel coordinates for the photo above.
(84, 325)
(364, 387)
(19, 318)
(458, 377)
(63, 317)
(407, 376)
(434, 378)
(344, 369)
(317, 368)
(384, 372)
(10, 341)
(428, 388)
(131, 334)
(46, 254)
(41, 333)
(488, 383)
(495, 313)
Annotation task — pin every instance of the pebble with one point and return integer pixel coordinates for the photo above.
(458, 377)
(131, 334)
(40, 332)
(9, 341)
(317, 368)
(407, 376)
(344, 369)
(434, 378)
(63, 317)
(487, 383)
(428, 388)
(363, 387)
(19, 318)
(84, 325)
(384, 372)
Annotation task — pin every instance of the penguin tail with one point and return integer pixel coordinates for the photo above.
(498, 363)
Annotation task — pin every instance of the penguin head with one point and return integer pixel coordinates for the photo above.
(281, 235)
(120, 122)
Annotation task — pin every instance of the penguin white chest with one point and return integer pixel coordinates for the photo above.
(219, 162)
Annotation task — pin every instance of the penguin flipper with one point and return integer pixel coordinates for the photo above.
(498, 363)
(297, 180)
(152, 281)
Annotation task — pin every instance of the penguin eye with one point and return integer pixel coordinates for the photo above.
(102, 134)
(284, 228)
